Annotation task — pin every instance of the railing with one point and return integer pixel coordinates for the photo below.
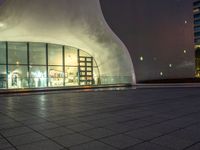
(115, 80)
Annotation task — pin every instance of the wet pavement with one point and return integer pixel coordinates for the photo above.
(131, 119)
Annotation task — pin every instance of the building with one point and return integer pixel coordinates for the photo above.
(55, 44)
(196, 12)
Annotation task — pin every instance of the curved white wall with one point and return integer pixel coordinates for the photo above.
(77, 23)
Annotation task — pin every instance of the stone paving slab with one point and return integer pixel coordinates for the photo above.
(25, 138)
(98, 133)
(4, 144)
(148, 146)
(141, 119)
(95, 145)
(120, 141)
(15, 131)
(41, 145)
(72, 139)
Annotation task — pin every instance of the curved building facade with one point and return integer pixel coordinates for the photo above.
(59, 43)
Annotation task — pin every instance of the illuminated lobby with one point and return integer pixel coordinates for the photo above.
(25, 65)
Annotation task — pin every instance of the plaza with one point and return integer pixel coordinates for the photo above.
(128, 119)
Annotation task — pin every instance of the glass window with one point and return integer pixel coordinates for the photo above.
(197, 28)
(197, 22)
(71, 56)
(71, 76)
(83, 53)
(197, 34)
(37, 53)
(17, 76)
(82, 64)
(56, 76)
(89, 64)
(2, 76)
(82, 68)
(82, 59)
(17, 53)
(197, 3)
(2, 53)
(55, 56)
(38, 76)
(87, 57)
(89, 68)
(196, 15)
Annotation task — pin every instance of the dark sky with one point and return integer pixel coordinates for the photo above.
(157, 30)
(1, 1)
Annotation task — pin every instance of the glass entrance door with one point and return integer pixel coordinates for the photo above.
(85, 70)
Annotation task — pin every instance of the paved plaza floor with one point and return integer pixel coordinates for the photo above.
(141, 119)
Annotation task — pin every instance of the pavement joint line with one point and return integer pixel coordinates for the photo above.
(133, 145)
(160, 123)
(93, 139)
(13, 146)
(182, 117)
(75, 118)
(191, 145)
(78, 120)
(31, 143)
(147, 103)
(17, 134)
(142, 141)
(136, 119)
(169, 134)
(32, 115)
(38, 133)
(169, 148)
(128, 130)
(149, 143)
(136, 105)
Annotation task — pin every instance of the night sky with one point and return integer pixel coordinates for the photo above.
(157, 33)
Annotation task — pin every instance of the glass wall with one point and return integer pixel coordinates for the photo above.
(17, 65)
(71, 76)
(3, 77)
(37, 54)
(71, 58)
(55, 66)
(38, 77)
(71, 66)
(2, 53)
(17, 53)
(39, 65)
(17, 76)
(56, 76)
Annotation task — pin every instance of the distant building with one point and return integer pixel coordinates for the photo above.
(196, 11)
